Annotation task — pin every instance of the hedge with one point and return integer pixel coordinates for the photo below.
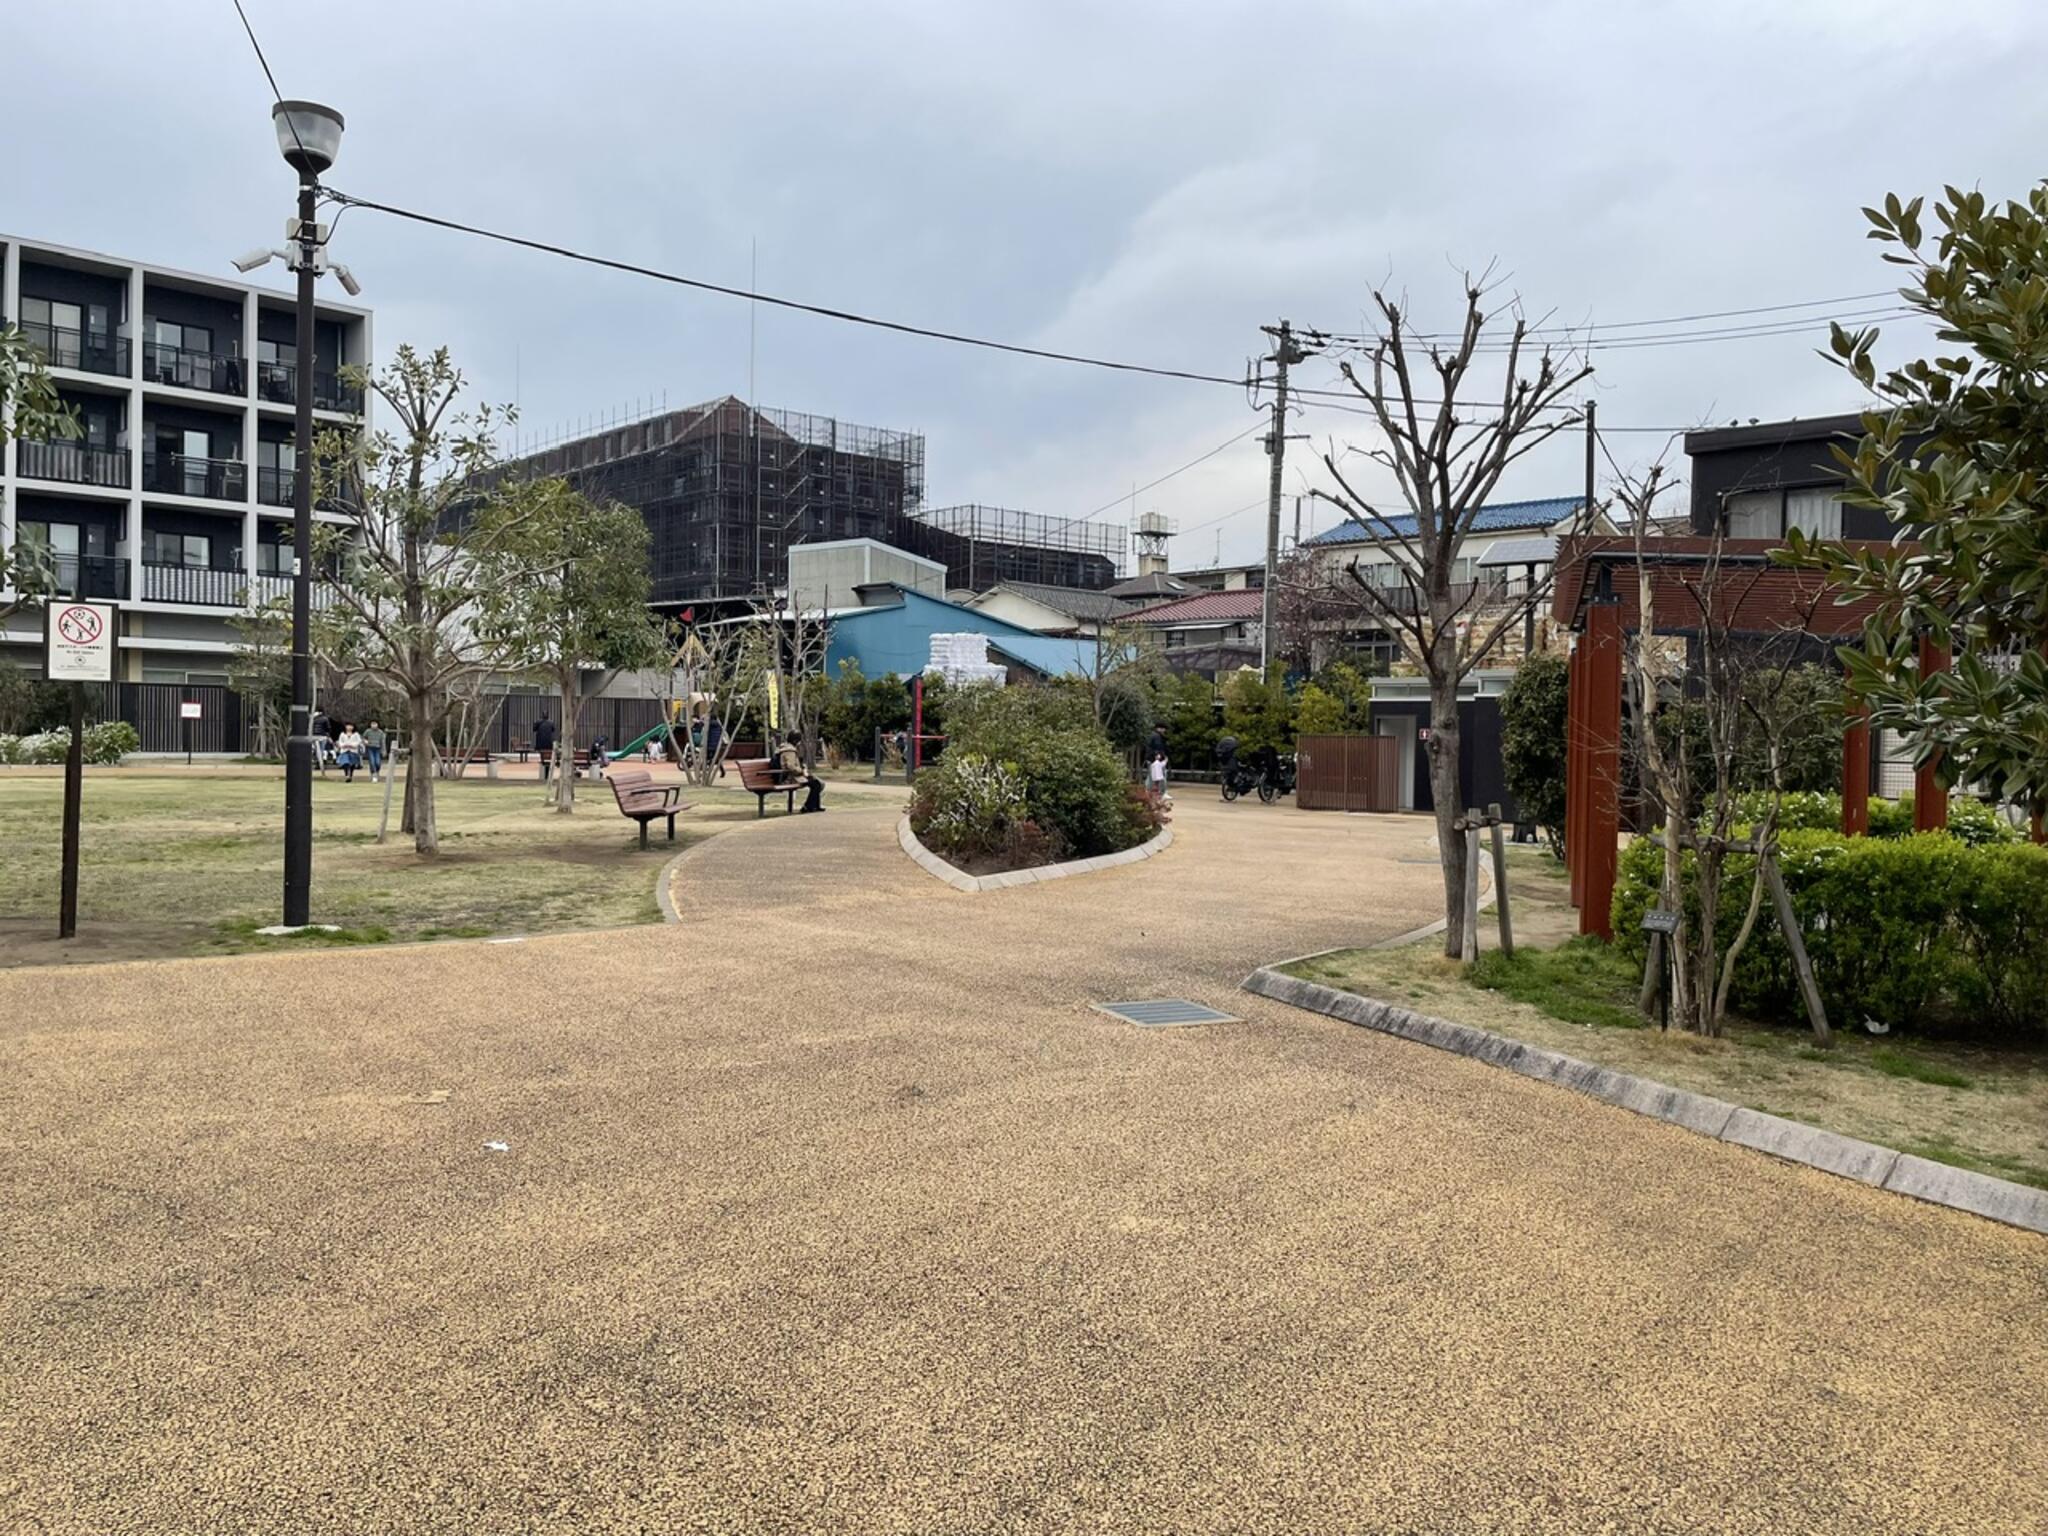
(108, 742)
(1925, 931)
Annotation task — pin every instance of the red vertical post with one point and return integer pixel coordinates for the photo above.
(1574, 756)
(916, 723)
(1602, 773)
(1855, 768)
(1930, 800)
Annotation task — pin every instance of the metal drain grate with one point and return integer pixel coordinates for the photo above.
(1165, 1013)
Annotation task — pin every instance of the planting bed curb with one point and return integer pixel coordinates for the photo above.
(960, 880)
(1900, 1172)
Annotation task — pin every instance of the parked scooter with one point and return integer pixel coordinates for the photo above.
(1239, 778)
(1278, 779)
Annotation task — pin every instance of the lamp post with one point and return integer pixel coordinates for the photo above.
(308, 136)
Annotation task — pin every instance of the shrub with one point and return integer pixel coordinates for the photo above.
(1027, 755)
(1075, 787)
(1915, 931)
(966, 807)
(105, 743)
(110, 741)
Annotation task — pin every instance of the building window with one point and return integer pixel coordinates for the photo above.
(275, 559)
(188, 549)
(1756, 515)
(1817, 514)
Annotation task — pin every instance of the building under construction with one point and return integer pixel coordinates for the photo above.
(981, 546)
(727, 488)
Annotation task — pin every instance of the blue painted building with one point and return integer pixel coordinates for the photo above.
(894, 634)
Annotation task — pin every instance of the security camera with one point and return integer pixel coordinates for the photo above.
(252, 260)
(348, 280)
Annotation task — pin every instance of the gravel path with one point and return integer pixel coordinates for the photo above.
(834, 1207)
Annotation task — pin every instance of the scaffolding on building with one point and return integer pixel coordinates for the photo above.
(982, 546)
(726, 488)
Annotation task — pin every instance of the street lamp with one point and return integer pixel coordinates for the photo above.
(309, 137)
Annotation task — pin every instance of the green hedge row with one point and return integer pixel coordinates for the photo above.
(107, 742)
(1925, 931)
(1810, 811)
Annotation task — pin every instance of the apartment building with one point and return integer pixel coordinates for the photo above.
(176, 499)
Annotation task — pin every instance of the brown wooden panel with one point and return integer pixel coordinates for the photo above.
(1347, 773)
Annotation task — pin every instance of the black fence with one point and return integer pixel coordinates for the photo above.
(154, 709)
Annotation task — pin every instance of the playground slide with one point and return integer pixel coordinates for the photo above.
(636, 743)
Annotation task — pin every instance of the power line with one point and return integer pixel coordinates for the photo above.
(824, 311)
(1630, 325)
(276, 95)
(1117, 501)
(1589, 341)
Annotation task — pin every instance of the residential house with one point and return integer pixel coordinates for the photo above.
(1052, 610)
(1509, 550)
(1212, 633)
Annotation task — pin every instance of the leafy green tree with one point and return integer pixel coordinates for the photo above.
(1184, 707)
(581, 605)
(1258, 713)
(31, 409)
(1956, 454)
(1532, 719)
(1317, 713)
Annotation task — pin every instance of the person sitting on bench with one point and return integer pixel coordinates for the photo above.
(789, 765)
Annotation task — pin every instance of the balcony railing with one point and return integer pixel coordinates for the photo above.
(193, 584)
(279, 383)
(1467, 597)
(277, 487)
(73, 463)
(90, 576)
(209, 371)
(185, 474)
(87, 351)
(269, 589)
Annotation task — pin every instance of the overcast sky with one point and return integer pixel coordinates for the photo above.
(1148, 182)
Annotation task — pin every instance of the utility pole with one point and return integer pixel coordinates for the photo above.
(1285, 354)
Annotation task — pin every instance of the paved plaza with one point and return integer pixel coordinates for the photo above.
(835, 1206)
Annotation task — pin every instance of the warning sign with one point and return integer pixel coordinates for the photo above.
(79, 643)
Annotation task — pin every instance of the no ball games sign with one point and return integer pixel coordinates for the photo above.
(78, 642)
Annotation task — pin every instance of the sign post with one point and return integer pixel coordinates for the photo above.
(188, 711)
(78, 648)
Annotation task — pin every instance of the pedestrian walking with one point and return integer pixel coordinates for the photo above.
(374, 743)
(348, 751)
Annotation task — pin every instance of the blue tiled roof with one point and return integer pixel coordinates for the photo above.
(1501, 517)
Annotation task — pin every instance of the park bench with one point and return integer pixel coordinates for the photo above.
(448, 762)
(579, 760)
(761, 778)
(641, 799)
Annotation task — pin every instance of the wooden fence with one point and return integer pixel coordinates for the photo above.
(1347, 773)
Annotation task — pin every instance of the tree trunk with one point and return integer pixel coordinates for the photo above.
(1445, 790)
(565, 747)
(419, 778)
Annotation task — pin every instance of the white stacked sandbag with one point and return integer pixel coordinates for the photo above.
(962, 659)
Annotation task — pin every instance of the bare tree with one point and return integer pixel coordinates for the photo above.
(1446, 447)
(1701, 706)
(429, 538)
(717, 675)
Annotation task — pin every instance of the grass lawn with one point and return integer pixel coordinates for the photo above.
(179, 861)
(1973, 1106)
